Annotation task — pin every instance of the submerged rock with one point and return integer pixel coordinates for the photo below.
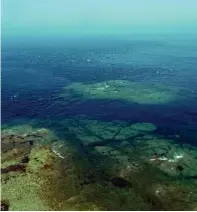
(167, 155)
(144, 127)
(94, 133)
(123, 90)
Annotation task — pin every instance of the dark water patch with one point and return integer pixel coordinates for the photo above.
(14, 168)
(120, 182)
(25, 159)
(5, 205)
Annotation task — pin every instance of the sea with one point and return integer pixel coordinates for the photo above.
(35, 73)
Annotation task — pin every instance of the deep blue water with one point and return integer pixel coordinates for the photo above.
(33, 76)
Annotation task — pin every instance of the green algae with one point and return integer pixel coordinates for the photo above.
(24, 190)
(176, 195)
(38, 158)
(123, 90)
(24, 193)
(108, 197)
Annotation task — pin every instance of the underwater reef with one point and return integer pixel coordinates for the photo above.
(122, 139)
(136, 92)
(98, 166)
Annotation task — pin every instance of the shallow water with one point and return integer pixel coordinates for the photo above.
(33, 78)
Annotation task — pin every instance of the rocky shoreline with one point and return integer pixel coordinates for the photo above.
(39, 171)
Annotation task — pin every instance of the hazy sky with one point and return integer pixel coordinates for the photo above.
(79, 16)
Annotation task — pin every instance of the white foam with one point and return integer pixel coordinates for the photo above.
(58, 154)
(163, 158)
